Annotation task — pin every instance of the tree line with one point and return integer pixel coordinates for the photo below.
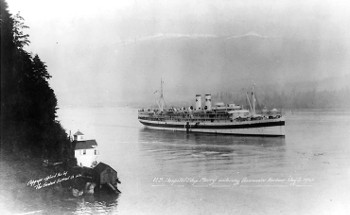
(28, 104)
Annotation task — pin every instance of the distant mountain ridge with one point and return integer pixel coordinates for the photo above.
(130, 72)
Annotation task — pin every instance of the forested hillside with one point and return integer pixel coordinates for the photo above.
(28, 104)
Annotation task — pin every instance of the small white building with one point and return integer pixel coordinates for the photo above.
(85, 151)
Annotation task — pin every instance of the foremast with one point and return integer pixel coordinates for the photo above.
(252, 103)
(161, 101)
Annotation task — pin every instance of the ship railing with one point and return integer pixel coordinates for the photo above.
(202, 119)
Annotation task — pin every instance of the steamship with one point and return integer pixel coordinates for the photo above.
(217, 119)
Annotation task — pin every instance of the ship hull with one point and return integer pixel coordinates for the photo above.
(270, 127)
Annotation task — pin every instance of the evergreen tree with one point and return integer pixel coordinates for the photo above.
(28, 104)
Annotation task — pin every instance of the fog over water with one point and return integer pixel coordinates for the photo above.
(111, 52)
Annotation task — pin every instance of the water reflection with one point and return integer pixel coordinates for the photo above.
(62, 203)
(99, 203)
(179, 152)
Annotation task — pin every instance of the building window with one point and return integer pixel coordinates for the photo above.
(83, 152)
(95, 152)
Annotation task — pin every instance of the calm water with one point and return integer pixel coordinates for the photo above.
(307, 172)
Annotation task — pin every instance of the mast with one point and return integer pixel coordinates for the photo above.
(250, 105)
(253, 100)
(253, 103)
(161, 102)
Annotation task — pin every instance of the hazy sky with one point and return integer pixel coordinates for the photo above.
(115, 51)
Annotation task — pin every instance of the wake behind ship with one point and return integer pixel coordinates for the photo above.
(217, 119)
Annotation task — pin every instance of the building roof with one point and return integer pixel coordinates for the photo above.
(85, 144)
(100, 167)
(78, 133)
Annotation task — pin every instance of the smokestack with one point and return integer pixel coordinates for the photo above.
(207, 101)
(198, 102)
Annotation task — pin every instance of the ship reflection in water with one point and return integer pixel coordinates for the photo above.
(214, 155)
